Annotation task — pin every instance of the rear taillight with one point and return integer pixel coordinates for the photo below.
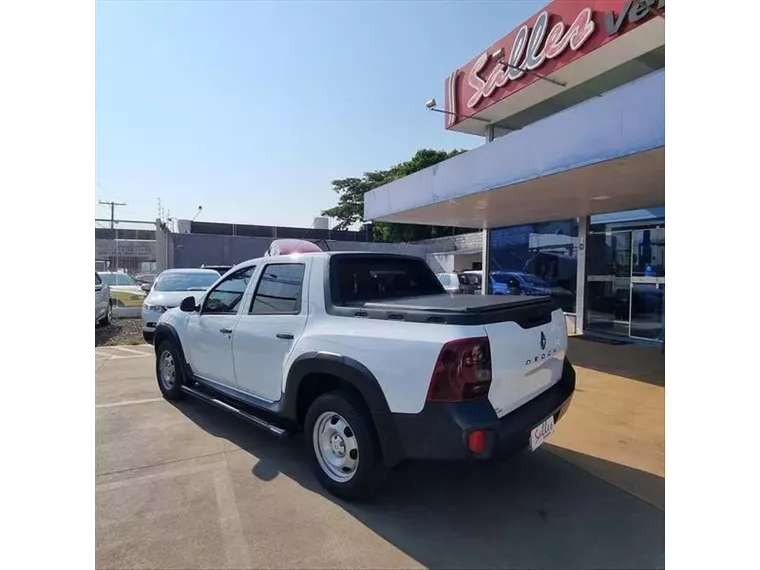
(462, 372)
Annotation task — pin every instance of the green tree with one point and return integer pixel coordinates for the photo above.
(350, 208)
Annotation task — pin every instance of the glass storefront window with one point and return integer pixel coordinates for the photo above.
(625, 292)
(535, 259)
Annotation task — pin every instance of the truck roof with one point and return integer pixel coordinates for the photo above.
(199, 271)
(320, 255)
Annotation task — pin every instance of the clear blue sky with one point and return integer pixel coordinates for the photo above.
(250, 109)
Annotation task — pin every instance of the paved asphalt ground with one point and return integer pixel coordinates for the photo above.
(187, 486)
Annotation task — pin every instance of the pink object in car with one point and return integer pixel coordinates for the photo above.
(288, 246)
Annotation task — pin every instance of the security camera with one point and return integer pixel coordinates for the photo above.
(431, 104)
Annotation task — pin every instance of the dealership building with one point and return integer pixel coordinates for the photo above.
(569, 188)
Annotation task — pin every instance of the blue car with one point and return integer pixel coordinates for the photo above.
(519, 283)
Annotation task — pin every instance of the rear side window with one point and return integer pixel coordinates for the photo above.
(371, 278)
(279, 290)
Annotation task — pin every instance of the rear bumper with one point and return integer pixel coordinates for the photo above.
(440, 431)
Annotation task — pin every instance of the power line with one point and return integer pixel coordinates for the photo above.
(103, 189)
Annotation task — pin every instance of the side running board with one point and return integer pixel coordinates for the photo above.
(257, 421)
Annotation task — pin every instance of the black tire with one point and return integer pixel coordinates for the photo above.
(370, 472)
(106, 320)
(170, 391)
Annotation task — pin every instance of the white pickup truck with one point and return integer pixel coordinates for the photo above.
(368, 356)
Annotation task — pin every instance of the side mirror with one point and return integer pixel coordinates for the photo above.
(187, 305)
(145, 287)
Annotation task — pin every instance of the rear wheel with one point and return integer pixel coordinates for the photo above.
(342, 446)
(170, 371)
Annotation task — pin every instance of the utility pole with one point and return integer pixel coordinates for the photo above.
(113, 205)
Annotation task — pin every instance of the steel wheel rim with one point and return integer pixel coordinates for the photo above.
(336, 447)
(109, 312)
(167, 370)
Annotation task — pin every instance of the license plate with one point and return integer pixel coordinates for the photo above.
(541, 432)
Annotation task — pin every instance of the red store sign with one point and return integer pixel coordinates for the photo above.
(563, 32)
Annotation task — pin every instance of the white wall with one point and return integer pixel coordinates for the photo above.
(465, 262)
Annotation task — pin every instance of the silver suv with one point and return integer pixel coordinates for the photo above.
(103, 306)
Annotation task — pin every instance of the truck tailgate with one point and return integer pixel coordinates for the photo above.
(525, 361)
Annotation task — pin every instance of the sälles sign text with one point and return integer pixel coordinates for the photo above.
(533, 46)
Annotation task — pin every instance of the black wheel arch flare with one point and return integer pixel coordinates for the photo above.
(344, 368)
(166, 331)
(357, 375)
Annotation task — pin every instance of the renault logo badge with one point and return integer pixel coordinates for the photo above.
(543, 341)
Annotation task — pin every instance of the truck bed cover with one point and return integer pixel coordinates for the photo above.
(526, 311)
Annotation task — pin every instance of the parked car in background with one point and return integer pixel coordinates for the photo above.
(472, 282)
(475, 279)
(145, 279)
(103, 307)
(519, 283)
(450, 282)
(458, 283)
(168, 290)
(126, 294)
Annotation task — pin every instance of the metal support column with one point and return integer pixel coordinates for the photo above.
(580, 284)
(486, 261)
(486, 237)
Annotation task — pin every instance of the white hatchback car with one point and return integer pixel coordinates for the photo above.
(168, 290)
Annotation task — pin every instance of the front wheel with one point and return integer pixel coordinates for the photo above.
(342, 446)
(170, 371)
(108, 317)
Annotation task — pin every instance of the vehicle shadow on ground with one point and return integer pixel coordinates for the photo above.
(647, 486)
(536, 511)
(640, 363)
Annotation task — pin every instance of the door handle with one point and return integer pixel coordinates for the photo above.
(225, 331)
(285, 336)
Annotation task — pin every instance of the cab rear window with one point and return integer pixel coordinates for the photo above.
(370, 278)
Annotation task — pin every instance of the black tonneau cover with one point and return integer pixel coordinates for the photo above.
(527, 311)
